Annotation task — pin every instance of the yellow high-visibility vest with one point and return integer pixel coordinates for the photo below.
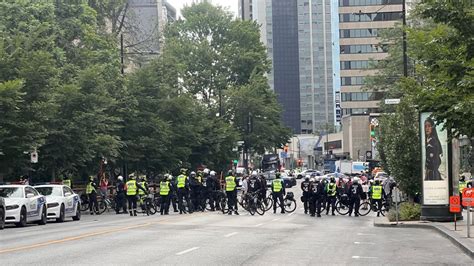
(181, 181)
(230, 183)
(89, 188)
(277, 187)
(164, 188)
(376, 192)
(131, 187)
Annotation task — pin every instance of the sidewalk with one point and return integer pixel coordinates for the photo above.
(458, 237)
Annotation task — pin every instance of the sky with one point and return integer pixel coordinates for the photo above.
(231, 4)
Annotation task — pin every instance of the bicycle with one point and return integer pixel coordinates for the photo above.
(147, 204)
(368, 206)
(216, 196)
(342, 204)
(289, 202)
(254, 204)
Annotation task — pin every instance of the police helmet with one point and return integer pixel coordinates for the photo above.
(212, 173)
(307, 177)
(131, 176)
(356, 180)
(192, 173)
(333, 180)
(254, 173)
(312, 179)
(229, 172)
(91, 178)
(120, 178)
(182, 170)
(206, 171)
(169, 178)
(277, 175)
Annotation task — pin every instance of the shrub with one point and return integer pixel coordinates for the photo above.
(407, 211)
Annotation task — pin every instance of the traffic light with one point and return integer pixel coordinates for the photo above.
(235, 162)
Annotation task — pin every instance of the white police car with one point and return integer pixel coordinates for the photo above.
(23, 205)
(61, 201)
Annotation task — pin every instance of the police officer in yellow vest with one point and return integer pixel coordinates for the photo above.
(278, 191)
(91, 191)
(67, 182)
(182, 184)
(331, 189)
(231, 191)
(132, 187)
(165, 189)
(377, 191)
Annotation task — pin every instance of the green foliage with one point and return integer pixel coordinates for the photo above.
(407, 211)
(444, 48)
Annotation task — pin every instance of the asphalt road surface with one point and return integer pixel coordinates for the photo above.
(212, 238)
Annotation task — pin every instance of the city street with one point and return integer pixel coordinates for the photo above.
(214, 238)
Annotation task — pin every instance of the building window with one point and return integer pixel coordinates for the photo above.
(369, 2)
(363, 49)
(347, 81)
(358, 33)
(358, 64)
(366, 17)
(360, 111)
(361, 96)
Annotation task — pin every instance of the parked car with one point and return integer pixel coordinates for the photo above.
(61, 202)
(24, 204)
(2, 213)
(289, 181)
(308, 172)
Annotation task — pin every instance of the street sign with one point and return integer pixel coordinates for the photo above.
(34, 157)
(392, 101)
(468, 197)
(454, 204)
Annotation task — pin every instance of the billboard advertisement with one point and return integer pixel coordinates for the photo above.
(434, 152)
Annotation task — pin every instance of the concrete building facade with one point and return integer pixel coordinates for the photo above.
(360, 22)
(299, 39)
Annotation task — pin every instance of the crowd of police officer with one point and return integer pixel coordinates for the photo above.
(320, 193)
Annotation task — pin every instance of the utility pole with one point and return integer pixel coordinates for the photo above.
(405, 57)
(121, 54)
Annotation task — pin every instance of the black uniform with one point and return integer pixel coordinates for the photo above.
(306, 194)
(317, 191)
(254, 185)
(211, 188)
(120, 198)
(355, 194)
(195, 186)
(173, 195)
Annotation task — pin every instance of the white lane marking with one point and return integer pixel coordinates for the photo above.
(364, 243)
(276, 219)
(291, 214)
(363, 234)
(360, 257)
(186, 251)
(257, 225)
(231, 234)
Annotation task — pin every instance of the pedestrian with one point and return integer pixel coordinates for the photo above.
(132, 188)
(142, 181)
(173, 193)
(462, 185)
(195, 190)
(120, 196)
(104, 186)
(278, 191)
(182, 183)
(355, 195)
(331, 191)
(263, 188)
(376, 192)
(231, 191)
(317, 189)
(67, 181)
(165, 189)
(212, 188)
(91, 191)
(305, 185)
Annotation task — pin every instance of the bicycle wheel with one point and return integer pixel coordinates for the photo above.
(102, 206)
(289, 205)
(223, 203)
(151, 207)
(251, 209)
(341, 208)
(364, 208)
(260, 208)
(84, 203)
(268, 203)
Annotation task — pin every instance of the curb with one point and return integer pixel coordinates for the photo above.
(461, 243)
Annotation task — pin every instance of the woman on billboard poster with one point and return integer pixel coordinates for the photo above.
(434, 151)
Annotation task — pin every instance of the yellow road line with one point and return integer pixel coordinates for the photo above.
(47, 243)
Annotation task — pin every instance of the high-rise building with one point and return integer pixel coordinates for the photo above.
(360, 22)
(143, 28)
(246, 9)
(299, 39)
